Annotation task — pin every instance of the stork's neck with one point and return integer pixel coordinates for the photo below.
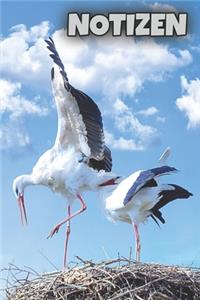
(28, 179)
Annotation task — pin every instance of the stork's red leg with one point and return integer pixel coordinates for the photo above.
(82, 209)
(137, 239)
(68, 230)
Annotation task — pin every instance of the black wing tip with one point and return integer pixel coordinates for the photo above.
(163, 170)
(175, 170)
(156, 214)
(50, 38)
(55, 57)
(188, 195)
(52, 48)
(50, 41)
(185, 193)
(171, 169)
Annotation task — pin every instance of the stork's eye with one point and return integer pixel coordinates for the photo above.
(17, 191)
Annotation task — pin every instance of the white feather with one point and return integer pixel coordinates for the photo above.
(165, 155)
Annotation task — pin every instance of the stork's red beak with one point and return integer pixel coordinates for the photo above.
(22, 209)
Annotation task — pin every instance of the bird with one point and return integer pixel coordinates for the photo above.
(140, 196)
(79, 159)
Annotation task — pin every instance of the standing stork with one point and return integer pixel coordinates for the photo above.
(140, 196)
(79, 160)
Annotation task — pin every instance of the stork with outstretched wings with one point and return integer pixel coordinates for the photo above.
(79, 160)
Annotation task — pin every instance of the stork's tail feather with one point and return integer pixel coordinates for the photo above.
(174, 192)
(112, 181)
(156, 214)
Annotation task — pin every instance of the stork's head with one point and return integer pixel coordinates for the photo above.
(19, 185)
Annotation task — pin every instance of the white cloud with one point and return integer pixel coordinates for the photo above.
(108, 67)
(72, 50)
(31, 35)
(14, 106)
(24, 55)
(12, 102)
(161, 119)
(13, 135)
(25, 58)
(112, 66)
(196, 48)
(150, 111)
(120, 106)
(121, 143)
(121, 66)
(162, 7)
(189, 103)
(127, 123)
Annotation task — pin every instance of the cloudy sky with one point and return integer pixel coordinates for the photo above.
(149, 93)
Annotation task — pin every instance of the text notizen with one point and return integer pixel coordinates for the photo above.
(133, 24)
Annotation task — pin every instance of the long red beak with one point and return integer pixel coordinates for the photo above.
(22, 209)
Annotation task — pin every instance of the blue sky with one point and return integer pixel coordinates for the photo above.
(148, 92)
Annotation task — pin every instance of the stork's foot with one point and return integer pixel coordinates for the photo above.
(57, 227)
(53, 231)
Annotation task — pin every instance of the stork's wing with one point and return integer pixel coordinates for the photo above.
(146, 179)
(80, 120)
(168, 195)
(172, 193)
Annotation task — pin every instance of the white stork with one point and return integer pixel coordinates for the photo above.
(79, 160)
(140, 196)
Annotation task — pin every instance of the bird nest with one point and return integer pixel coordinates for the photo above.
(113, 279)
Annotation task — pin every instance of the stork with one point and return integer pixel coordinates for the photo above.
(140, 196)
(79, 160)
